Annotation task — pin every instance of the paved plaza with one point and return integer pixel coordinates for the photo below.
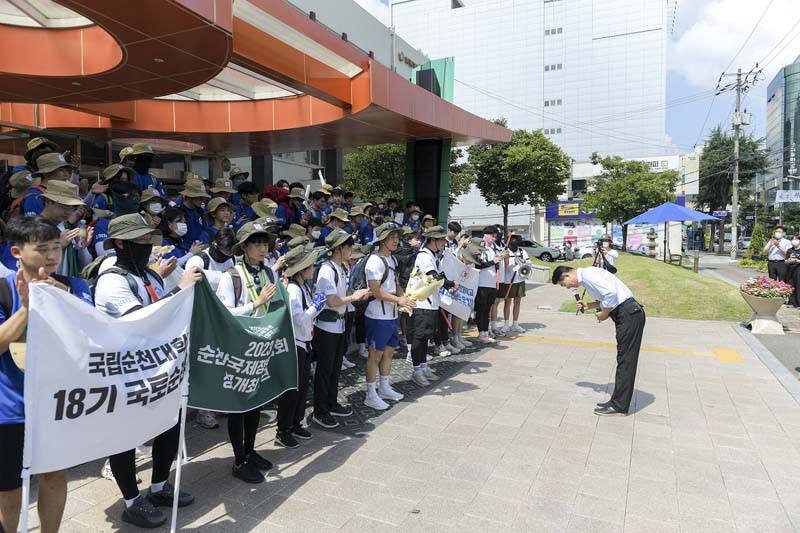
(508, 442)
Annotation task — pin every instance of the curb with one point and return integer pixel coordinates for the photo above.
(781, 373)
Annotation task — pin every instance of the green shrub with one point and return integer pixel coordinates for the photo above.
(757, 243)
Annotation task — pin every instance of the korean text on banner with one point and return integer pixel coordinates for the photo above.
(96, 385)
(240, 363)
(462, 302)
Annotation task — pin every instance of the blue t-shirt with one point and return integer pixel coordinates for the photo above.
(283, 215)
(195, 223)
(181, 247)
(32, 202)
(243, 210)
(8, 260)
(102, 202)
(100, 232)
(145, 181)
(367, 234)
(12, 379)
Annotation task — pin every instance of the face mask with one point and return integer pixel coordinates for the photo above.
(489, 239)
(181, 229)
(795, 242)
(779, 235)
(415, 217)
(316, 234)
(155, 208)
(124, 205)
(236, 183)
(217, 255)
(380, 206)
(513, 247)
(606, 245)
(141, 165)
(139, 254)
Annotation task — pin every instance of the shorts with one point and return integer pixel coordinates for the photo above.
(12, 439)
(517, 290)
(381, 333)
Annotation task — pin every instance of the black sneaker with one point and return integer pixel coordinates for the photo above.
(301, 433)
(285, 439)
(248, 473)
(340, 410)
(143, 514)
(163, 498)
(258, 461)
(326, 421)
(609, 410)
(604, 404)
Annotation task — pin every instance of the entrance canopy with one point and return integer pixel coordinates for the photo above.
(248, 77)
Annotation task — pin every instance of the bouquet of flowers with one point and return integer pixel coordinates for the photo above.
(421, 286)
(765, 287)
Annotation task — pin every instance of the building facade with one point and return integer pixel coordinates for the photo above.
(783, 137)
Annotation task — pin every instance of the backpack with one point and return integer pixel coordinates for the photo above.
(236, 278)
(406, 257)
(15, 210)
(91, 273)
(358, 280)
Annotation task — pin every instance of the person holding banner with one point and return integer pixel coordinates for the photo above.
(381, 319)
(126, 287)
(35, 243)
(247, 289)
(425, 319)
(292, 403)
(329, 328)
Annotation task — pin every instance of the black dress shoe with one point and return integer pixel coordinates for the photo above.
(259, 462)
(603, 404)
(609, 410)
(163, 498)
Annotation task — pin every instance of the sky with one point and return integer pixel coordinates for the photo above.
(706, 38)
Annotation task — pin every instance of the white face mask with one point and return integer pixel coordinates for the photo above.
(795, 242)
(606, 244)
(181, 229)
(779, 235)
(155, 208)
(316, 234)
(415, 217)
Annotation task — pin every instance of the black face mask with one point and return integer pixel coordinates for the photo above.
(124, 205)
(142, 164)
(217, 255)
(513, 247)
(135, 256)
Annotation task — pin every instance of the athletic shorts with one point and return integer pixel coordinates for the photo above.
(12, 438)
(381, 333)
(517, 290)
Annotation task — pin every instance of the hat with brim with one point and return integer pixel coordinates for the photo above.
(295, 230)
(213, 205)
(249, 230)
(297, 193)
(125, 152)
(340, 214)
(605, 237)
(435, 232)
(150, 194)
(270, 222)
(141, 148)
(324, 191)
(236, 171)
(472, 253)
(356, 211)
(112, 171)
(50, 163)
(102, 213)
(36, 143)
(63, 192)
(386, 229)
(297, 241)
(299, 259)
(429, 217)
(337, 238)
(358, 252)
(414, 209)
(22, 181)
(128, 228)
(264, 208)
(195, 189)
(223, 186)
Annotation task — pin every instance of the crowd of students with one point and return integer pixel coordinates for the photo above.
(122, 244)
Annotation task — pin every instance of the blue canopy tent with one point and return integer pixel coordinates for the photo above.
(669, 212)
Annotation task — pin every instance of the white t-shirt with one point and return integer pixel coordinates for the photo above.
(487, 277)
(113, 295)
(513, 265)
(427, 262)
(326, 284)
(214, 271)
(302, 318)
(375, 268)
(226, 292)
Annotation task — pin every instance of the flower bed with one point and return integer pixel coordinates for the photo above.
(764, 287)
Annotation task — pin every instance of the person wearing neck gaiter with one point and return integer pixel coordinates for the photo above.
(142, 155)
(125, 198)
(121, 289)
(246, 290)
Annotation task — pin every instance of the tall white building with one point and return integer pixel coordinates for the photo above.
(590, 73)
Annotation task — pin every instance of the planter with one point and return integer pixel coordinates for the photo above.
(765, 314)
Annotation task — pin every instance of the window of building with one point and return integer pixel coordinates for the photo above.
(456, 4)
(560, 30)
(558, 102)
(547, 103)
(547, 68)
(546, 131)
(547, 32)
(558, 66)
(558, 130)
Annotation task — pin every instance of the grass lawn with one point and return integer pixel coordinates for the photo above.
(670, 291)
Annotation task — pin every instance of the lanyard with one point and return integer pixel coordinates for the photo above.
(150, 289)
(251, 289)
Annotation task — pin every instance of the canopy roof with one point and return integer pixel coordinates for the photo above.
(670, 212)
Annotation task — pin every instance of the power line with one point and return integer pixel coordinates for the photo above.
(749, 35)
(764, 60)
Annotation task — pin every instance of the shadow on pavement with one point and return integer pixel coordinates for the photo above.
(641, 399)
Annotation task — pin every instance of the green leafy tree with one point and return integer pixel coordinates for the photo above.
(528, 170)
(626, 189)
(462, 175)
(377, 171)
(757, 242)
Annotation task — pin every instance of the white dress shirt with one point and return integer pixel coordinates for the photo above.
(604, 286)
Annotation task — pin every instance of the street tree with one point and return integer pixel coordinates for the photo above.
(528, 170)
(462, 175)
(376, 172)
(626, 189)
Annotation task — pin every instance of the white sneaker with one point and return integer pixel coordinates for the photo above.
(428, 357)
(455, 342)
(374, 401)
(442, 351)
(430, 375)
(144, 451)
(466, 343)
(500, 332)
(419, 378)
(409, 358)
(106, 471)
(362, 351)
(517, 328)
(389, 394)
(485, 339)
(346, 363)
(452, 348)
(206, 420)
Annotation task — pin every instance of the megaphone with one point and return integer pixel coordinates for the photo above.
(524, 272)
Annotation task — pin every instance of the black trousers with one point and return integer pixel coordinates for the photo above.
(484, 300)
(292, 403)
(629, 319)
(329, 348)
(242, 429)
(123, 465)
(361, 328)
(777, 270)
(442, 333)
(423, 328)
(793, 277)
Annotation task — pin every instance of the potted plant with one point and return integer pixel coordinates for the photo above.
(765, 296)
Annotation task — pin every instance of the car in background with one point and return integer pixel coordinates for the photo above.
(541, 252)
(744, 243)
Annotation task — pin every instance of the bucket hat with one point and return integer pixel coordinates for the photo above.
(337, 238)
(295, 230)
(22, 181)
(341, 214)
(112, 171)
(50, 162)
(299, 259)
(63, 192)
(435, 232)
(297, 241)
(129, 227)
(297, 193)
(223, 185)
(141, 148)
(125, 152)
(251, 229)
(264, 208)
(213, 205)
(236, 171)
(36, 143)
(386, 229)
(194, 189)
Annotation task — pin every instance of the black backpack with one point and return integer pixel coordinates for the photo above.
(358, 279)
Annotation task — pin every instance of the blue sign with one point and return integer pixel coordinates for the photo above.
(720, 214)
(567, 210)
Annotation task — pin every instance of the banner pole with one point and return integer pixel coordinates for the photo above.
(26, 498)
(179, 467)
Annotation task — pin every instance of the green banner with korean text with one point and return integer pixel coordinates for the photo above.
(239, 363)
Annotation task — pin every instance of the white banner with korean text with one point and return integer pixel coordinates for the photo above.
(461, 303)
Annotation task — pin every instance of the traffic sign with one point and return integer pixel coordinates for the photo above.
(720, 213)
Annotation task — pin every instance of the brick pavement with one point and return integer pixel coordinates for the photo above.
(509, 443)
